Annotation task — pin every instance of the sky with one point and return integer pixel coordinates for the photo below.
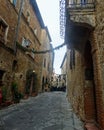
(49, 10)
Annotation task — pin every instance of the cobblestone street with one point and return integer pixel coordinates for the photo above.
(47, 111)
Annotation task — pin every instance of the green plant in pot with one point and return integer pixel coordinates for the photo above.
(15, 94)
(4, 94)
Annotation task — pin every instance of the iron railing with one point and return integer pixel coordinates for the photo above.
(68, 6)
(85, 5)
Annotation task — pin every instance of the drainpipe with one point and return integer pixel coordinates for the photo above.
(17, 27)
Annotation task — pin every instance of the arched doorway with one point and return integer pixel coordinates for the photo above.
(30, 82)
(89, 88)
(43, 81)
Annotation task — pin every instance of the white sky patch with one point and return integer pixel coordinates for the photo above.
(50, 12)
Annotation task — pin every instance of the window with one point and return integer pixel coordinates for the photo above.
(28, 16)
(44, 63)
(3, 30)
(83, 2)
(14, 65)
(14, 2)
(26, 43)
(35, 31)
(32, 54)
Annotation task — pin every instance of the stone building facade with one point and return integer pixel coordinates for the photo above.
(48, 59)
(85, 62)
(63, 68)
(17, 63)
(63, 65)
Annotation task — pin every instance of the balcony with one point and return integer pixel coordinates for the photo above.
(80, 22)
(82, 5)
(81, 11)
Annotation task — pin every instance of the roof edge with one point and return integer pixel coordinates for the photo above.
(37, 11)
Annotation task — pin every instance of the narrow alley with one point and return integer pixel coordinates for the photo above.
(47, 111)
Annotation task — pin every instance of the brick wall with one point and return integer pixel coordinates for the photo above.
(97, 43)
(89, 102)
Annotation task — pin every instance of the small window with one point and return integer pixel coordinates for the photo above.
(32, 54)
(26, 43)
(28, 16)
(44, 63)
(14, 65)
(3, 30)
(14, 2)
(83, 2)
(35, 31)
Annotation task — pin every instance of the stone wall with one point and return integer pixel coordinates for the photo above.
(75, 84)
(24, 61)
(7, 67)
(84, 18)
(7, 10)
(47, 58)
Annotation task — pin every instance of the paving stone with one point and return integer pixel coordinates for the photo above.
(47, 111)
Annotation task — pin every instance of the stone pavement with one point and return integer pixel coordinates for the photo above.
(47, 111)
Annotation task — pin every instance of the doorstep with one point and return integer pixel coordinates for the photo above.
(91, 126)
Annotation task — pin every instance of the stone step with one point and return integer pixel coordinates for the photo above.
(91, 126)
